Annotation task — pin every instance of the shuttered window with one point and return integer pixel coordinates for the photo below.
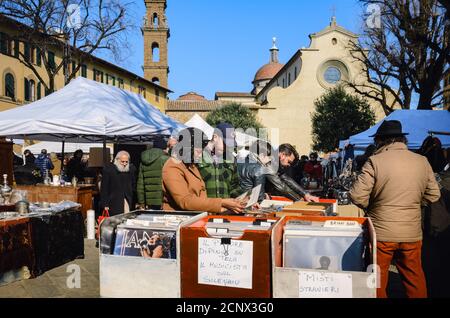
(84, 71)
(51, 60)
(27, 90)
(10, 86)
(39, 91)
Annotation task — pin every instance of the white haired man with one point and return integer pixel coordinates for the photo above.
(118, 185)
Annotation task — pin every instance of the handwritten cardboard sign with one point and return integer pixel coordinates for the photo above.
(342, 224)
(228, 265)
(325, 285)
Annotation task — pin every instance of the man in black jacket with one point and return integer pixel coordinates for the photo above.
(261, 167)
(76, 167)
(118, 185)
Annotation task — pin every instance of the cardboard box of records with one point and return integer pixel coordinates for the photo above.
(226, 257)
(281, 206)
(324, 257)
(307, 208)
(140, 254)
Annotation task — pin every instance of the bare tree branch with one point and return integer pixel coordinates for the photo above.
(408, 53)
(50, 26)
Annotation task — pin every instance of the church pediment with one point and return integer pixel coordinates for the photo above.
(333, 27)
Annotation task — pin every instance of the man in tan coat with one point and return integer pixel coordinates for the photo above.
(392, 187)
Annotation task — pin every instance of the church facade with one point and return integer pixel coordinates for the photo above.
(283, 95)
(286, 92)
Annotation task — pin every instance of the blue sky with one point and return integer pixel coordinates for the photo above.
(218, 45)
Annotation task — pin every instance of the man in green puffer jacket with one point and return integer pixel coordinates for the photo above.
(149, 184)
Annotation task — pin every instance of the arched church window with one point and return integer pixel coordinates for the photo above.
(155, 52)
(289, 79)
(155, 80)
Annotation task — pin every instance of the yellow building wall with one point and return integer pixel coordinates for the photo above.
(10, 64)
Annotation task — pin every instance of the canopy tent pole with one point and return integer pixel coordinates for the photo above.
(62, 154)
(104, 152)
(439, 133)
(23, 154)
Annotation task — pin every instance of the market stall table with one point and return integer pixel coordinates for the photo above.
(41, 241)
(16, 250)
(58, 238)
(81, 194)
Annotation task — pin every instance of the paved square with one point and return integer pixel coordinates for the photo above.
(53, 284)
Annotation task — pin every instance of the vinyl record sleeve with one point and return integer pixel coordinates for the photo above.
(324, 250)
(145, 242)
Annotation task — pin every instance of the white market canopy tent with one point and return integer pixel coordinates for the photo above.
(242, 139)
(198, 122)
(55, 147)
(418, 123)
(86, 111)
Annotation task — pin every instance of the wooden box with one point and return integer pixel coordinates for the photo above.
(314, 283)
(220, 267)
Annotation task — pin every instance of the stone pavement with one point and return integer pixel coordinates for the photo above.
(53, 284)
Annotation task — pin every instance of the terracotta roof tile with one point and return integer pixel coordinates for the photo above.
(233, 94)
(206, 105)
(191, 96)
(193, 105)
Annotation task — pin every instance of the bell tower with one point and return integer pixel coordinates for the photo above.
(156, 32)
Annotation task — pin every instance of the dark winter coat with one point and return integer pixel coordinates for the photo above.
(29, 174)
(253, 173)
(437, 215)
(75, 168)
(116, 187)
